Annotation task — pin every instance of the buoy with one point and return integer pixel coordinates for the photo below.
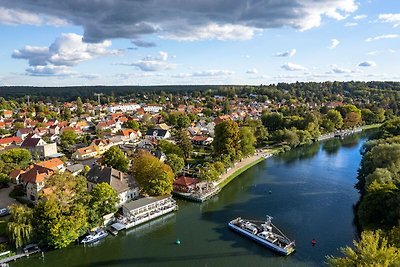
(313, 242)
(270, 192)
(178, 242)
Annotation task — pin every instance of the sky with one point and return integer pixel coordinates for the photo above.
(167, 42)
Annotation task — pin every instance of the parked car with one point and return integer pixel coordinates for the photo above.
(4, 212)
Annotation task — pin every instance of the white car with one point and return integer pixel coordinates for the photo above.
(4, 212)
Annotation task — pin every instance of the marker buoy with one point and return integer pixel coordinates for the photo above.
(270, 192)
(313, 242)
(178, 242)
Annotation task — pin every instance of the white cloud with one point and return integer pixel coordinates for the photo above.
(17, 17)
(337, 70)
(359, 17)
(380, 37)
(252, 71)
(390, 18)
(351, 24)
(213, 31)
(367, 64)
(49, 70)
(289, 53)
(66, 51)
(150, 63)
(293, 67)
(334, 44)
(205, 73)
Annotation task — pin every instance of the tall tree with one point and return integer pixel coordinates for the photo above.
(153, 176)
(19, 226)
(79, 106)
(175, 162)
(226, 139)
(115, 158)
(247, 141)
(372, 250)
(184, 142)
(103, 200)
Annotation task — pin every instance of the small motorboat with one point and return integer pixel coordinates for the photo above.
(94, 237)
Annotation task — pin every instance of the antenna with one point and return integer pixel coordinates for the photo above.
(98, 97)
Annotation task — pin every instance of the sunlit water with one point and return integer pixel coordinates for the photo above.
(312, 196)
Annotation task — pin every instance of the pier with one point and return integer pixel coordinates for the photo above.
(198, 196)
(27, 251)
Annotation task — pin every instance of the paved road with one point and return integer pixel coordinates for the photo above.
(5, 200)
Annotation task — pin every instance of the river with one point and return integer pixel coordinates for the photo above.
(312, 196)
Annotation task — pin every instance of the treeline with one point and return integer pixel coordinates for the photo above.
(378, 211)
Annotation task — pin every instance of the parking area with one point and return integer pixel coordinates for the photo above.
(5, 200)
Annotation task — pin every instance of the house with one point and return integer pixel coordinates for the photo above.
(163, 126)
(33, 180)
(152, 108)
(10, 141)
(37, 146)
(55, 164)
(15, 176)
(129, 134)
(102, 145)
(23, 132)
(202, 140)
(185, 184)
(7, 113)
(123, 107)
(75, 169)
(157, 134)
(220, 119)
(124, 184)
(109, 125)
(85, 153)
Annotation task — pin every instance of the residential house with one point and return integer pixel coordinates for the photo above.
(202, 140)
(15, 176)
(152, 108)
(123, 107)
(185, 184)
(75, 169)
(102, 145)
(33, 180)
(85, 153)
(124, 184)
(37, 146)
(7, 113)
(157, 134)
(129, 135)
(23, 132)
(55, 164)
(220, 119)
(13, 141)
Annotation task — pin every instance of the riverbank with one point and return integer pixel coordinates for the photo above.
(249, 162)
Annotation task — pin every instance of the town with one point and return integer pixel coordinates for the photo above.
(73, 169)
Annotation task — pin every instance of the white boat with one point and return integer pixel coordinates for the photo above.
(93, 237)
(264, 233)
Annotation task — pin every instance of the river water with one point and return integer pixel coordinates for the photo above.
(312, 196)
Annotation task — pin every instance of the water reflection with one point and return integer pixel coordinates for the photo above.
(300, 153)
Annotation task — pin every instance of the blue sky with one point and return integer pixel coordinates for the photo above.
(115, 42)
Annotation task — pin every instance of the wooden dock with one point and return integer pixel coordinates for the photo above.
(20, 255)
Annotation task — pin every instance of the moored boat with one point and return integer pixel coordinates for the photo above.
(93, 237)
(264, 233)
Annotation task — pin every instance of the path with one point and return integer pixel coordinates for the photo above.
(5, 200)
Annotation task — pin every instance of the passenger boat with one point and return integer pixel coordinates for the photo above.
(264, 233)
(93, 237)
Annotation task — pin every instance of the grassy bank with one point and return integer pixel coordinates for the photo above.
(239, 171)
(371, 126)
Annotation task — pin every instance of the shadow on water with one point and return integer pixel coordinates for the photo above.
(332, 146)
(177, 259)
(299, 153)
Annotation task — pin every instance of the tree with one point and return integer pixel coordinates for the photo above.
(19, 226)
(183, 121)
(208, 172)
(4, 179)
(66, 114)
(372, 250)
(170, 148)
(19, 156)
(115, 158)
(60, 216)
(226, 139)
(273, 121)
(103, 200)
(247, 141)
(68, 138)
(79, 106)
(335, 117)
(153, 176)
(175, 162)
(132, 124)
(184, 143)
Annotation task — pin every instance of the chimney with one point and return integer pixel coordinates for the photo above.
(120, 175)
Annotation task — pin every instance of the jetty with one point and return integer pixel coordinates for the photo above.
(26, 252)
(198, 196)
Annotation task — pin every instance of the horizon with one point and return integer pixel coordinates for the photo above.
(118, 43)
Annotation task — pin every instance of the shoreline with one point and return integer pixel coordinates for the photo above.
(253, 160)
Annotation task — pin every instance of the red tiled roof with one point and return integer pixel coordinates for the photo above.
(10, 140)
(51, 163)
(185, 181)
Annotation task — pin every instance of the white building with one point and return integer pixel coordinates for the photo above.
(152, 108)
(123, 107)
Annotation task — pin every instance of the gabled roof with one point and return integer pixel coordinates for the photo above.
(185, 181)
(36, 174)
(86, 150)
(30, 142)
(9, 140)
(51, 163)
(118, 180)
(25, 130)
(156, 132)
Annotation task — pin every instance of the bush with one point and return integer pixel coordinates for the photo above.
(4, 179)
